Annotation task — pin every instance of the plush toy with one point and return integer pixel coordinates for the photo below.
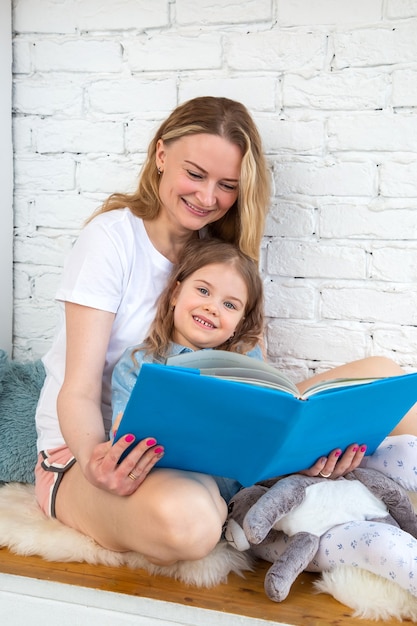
(305, 508)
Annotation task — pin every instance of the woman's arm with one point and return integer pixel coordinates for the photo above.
(79, 407)
(79, 401)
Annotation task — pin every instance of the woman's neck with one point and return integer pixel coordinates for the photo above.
(166, 240)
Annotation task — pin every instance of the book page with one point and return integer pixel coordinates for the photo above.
(240, 367)
(245, 369)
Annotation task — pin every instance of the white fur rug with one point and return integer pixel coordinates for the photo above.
(25, 530)
(371, 596)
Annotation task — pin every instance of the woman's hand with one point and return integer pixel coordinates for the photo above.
(337, 463)
(105, 472)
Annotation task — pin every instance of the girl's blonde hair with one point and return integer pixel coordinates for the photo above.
(196, 254)
(243, 224)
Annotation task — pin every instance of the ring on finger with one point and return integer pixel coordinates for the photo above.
(132, 476)
(325, 475)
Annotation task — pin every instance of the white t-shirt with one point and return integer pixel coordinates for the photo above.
(113, 267)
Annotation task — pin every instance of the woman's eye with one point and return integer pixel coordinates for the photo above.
(229, 187)
(195, 175)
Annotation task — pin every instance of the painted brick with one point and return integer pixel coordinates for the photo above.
(132, 95)
(362, 222)
(325, 178)
(316, 341)
(49, 16)
(209, 12)
(79, 136)
(43, 250)
(291, 137)
(401, 8)
(373, 132)
(22, 57)
(64, 210)
(35, 319)
(122, 15)
(399, 179)
(258, 93)
(404, 88)
(290, 219)
(276, 51)
(301, 259)
(44, 172)
(351, 89)
(22, 135)
(370, 304)
(289, 301)
(395, 264)
(106, 175)
(399, 343)
(77, 55)
(378, 46)
(309, 12)
(40, 97)
(154, 52)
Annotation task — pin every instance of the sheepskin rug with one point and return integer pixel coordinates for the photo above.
(25, 530)
(371, 597)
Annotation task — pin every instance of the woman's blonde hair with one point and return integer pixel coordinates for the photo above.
(196, 254)
(243, 224)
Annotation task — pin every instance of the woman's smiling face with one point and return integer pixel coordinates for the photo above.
(199, 179)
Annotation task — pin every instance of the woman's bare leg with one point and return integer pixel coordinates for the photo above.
(172, 516)
(372, 367)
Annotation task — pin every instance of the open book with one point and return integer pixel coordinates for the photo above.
(230, 415)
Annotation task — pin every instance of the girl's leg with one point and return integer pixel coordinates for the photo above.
(172, 516)
(380, 548)
(396, 457)
(372, 367)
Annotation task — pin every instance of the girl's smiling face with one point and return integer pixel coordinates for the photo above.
(209, 305)
(199, 179)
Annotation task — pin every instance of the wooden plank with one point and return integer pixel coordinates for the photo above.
(240, 596)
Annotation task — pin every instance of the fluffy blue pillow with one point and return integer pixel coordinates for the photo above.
(20, 385)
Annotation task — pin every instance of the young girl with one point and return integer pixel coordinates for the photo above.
(213, 299)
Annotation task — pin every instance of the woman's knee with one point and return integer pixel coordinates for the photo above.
(383, 366)
(191, 526)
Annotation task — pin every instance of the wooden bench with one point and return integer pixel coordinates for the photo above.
(34, 591)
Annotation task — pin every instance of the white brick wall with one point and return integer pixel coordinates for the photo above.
(332, 85)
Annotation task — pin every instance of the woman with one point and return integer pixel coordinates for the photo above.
(205, 175)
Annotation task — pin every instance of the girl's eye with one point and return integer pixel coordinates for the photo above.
(229, 305)
(203, 290)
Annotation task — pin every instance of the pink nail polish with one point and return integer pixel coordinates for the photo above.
(363, 449)
(129, 438)
(158, 450)
(337, 453)
(355, 449)
(151, 442)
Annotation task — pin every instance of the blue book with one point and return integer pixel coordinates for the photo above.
(230, 415)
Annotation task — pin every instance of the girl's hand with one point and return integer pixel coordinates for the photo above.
(104, 471)
(337, 463)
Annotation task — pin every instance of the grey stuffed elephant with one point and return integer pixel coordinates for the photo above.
(304, 509)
